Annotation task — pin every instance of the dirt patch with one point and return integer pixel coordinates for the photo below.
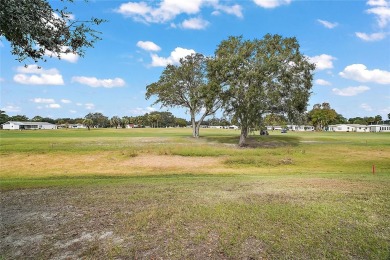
(171, 161)
(106, 163)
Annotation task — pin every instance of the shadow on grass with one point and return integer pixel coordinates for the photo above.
(258, 141)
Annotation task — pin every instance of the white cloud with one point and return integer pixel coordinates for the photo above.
(168, 10)
(235, 10)
(11, 108)
(148, 46)
(141, 111)
(371, 37)
(43, 100)
(89, 106)
(53, 106)
(323, 61)
(174, 58)
(66, 101)
(39, 77)
(73, 111)
(366, 107)
(323, 82)
(382, 13)
(327, 24)
(70, 57)
(96, 83)
(350, 91)
(271, 3)
(195, 24)
(360, 73)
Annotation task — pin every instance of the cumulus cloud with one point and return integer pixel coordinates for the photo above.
(366, 107)
(141, 111)
(235, 10)
(350, 91)
(148, 46)
(360, 73)
(381, 10)
(327, 24)
(39, 76)
(97, 83)
(323, 82)
(195, 24)
(167, 10)
(174, 58)
(43, 100)
(323, 61)
(53, 106)
(11, 109)
(70, 57)
(66, 101)
(371, 37)
(271, 3)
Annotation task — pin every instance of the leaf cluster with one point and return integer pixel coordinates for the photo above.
(34, 29)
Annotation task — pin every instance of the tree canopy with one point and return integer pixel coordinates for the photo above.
(187, 85)
(322, 115)
(259, 77)
(34, 29)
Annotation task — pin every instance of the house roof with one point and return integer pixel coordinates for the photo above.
(27, 123)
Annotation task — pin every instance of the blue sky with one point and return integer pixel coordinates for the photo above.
(348, 40)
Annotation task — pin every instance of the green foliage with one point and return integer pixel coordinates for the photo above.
(3, 117)
(115, 121)
(35, 29)
(261, 76)
(98, 119)
(187, 86)
(19, 118)
(88, 123)
(322, 115)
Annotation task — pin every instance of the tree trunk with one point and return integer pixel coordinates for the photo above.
(198, 125)
(195, 133)
(244, 134)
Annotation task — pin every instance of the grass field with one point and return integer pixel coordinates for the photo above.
(157, 193)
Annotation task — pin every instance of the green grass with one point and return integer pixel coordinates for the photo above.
(287, 196)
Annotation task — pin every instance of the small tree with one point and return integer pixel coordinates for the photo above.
(187, 85)
(3, 117)
(115, 121)
(322, 115)
(88, 123)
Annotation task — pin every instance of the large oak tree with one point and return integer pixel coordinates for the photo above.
(259, 77)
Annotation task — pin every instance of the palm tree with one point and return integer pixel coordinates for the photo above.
(88, 123)
(115, 121)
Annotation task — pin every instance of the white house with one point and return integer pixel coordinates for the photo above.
(359, 128)
(300, 127)
(379, 128)
(233, 127)
(16, 125)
